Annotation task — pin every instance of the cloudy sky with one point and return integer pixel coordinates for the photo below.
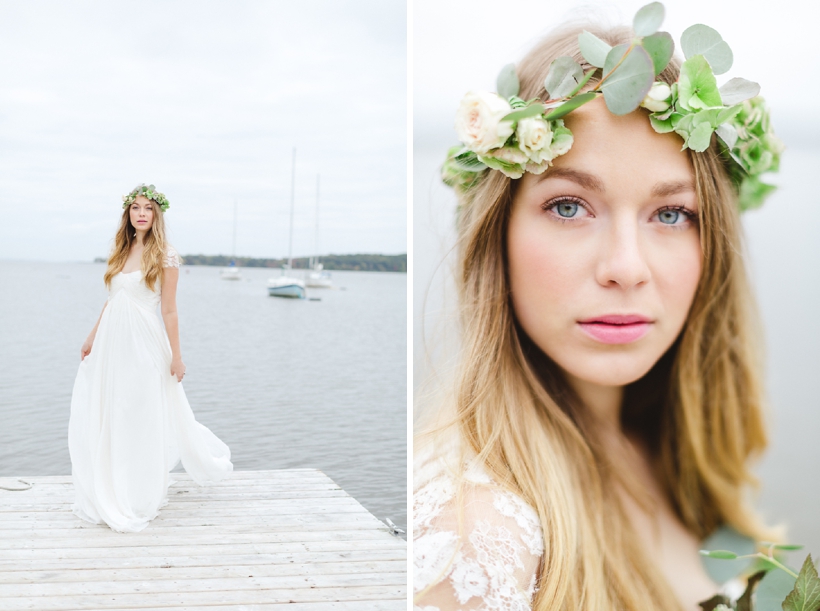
(206, 100)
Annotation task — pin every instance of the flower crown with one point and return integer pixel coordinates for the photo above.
(503, 132)
(149, 191)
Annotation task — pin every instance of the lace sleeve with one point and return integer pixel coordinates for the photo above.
(477, 551)
(171, 258)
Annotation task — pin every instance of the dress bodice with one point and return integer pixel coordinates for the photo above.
(130, 285)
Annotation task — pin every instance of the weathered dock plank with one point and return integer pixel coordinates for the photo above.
(258, 540)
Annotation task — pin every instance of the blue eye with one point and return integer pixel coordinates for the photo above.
(566, 209)
(669, 217)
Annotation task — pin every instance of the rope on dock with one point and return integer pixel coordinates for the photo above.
(29, 485)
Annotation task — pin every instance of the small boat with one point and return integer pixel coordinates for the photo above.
(285, 285)
(318, 278)
(232, 271)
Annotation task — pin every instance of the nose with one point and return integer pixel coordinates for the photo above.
(622, 261)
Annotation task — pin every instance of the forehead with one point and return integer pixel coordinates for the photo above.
(141, 199)
(623, 149)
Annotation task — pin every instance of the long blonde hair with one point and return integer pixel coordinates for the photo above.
(153, 253)
(700, 408)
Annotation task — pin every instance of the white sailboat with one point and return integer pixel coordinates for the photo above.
(317, 277)
(286, 285)
(232, 271)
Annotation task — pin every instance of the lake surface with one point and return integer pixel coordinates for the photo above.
(285, 383)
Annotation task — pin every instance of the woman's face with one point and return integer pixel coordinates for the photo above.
(604, 249)
(142, 213)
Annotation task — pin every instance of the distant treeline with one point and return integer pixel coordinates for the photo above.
(366, 263)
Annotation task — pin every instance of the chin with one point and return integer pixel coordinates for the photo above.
(609, 369)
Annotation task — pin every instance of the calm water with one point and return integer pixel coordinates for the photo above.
(285, 383)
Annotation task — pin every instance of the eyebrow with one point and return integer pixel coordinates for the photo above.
(593, 183)
(588, 181)
(664, 189)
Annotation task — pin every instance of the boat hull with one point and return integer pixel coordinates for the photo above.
(289, 288)
(231, 273)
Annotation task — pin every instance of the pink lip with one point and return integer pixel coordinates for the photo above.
(616, 328)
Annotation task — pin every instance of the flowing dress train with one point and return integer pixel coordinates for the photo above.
(130, 421)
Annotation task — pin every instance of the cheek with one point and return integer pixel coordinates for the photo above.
(676, 276)
(546, 276)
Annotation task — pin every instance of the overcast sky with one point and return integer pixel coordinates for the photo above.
(205, 100)
(461, 45)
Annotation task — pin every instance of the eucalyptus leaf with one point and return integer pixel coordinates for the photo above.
(719, 553)
(507, 84)
(626, 86)
(787, 547)
(648, 19)
(700, 39)
(660, 47)
(726, 537)
(570, 105)
(593, 49)
(806, 593)
(727, 133)
(562, 77)
(525, 113)
(737, 90)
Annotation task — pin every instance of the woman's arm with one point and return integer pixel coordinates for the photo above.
(170, 276)
(89, 341)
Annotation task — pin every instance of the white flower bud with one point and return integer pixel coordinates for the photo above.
(658, 98)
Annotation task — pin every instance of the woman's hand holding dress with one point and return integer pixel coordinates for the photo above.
(178, 368)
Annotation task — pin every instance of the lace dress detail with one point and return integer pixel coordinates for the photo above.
(476, 546)
(171, 258)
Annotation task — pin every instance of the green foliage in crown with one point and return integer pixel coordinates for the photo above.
(503, 132)
(148, 191)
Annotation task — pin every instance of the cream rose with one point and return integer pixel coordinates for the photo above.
(534, 138)
(657, 100)
(478, 122)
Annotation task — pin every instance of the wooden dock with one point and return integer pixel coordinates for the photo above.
(259, 540)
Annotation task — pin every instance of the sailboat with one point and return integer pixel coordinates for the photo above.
(285, 285)
(232, 271)
(317, 277)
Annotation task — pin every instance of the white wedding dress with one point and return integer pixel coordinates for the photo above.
(476, 549)
(130, 421)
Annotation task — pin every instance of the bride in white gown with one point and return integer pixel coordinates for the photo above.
(130, 421)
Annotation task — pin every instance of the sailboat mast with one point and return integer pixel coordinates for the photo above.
(233, 249)
(316, 239)
(292, 196)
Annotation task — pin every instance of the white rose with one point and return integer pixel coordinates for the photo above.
(478, 121)
(657, 100)
(534, 137)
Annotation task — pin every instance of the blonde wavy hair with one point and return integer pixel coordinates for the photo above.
(699, 410)
(153, 252)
